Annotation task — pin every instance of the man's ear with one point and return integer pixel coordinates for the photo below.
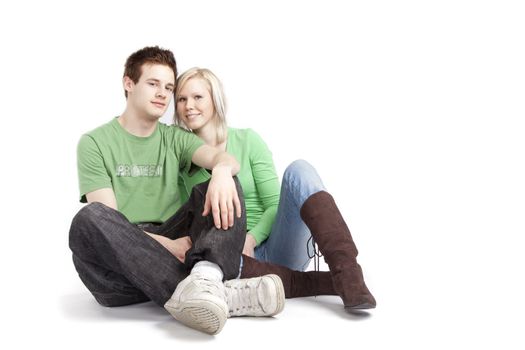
(128, 84)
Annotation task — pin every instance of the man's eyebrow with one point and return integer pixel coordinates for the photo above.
(158, 81)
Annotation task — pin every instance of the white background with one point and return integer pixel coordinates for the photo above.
(412, 112)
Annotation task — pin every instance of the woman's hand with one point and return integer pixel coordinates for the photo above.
(249, 245)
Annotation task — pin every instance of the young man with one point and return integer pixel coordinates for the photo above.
(127, 245)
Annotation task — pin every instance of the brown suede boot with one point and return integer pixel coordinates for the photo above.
(330, 232)
(296, 283)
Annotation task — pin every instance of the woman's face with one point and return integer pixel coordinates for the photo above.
(194, 104)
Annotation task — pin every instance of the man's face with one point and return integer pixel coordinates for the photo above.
(151, 95)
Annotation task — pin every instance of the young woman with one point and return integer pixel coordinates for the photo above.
(280, 223)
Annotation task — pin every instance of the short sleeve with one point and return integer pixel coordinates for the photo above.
(186, 143)
(92, 173)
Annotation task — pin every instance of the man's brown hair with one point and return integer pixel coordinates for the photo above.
(151, 55)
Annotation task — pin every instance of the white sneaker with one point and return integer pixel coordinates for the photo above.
(258, 296)
(199, 303)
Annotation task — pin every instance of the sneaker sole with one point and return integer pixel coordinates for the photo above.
(201, 315)
(280, 293)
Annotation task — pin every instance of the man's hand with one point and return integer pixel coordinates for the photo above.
(222, 198)
(178, 247)
(249, 245)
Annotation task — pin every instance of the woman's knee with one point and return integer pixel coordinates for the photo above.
(295, 168)
(300, 169)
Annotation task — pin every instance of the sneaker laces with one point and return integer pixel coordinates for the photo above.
(209, 286)
(243, 297)
(316, 254)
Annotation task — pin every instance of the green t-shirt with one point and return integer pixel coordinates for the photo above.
(257, 176)
(142, 171)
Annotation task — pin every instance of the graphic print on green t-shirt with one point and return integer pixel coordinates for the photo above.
(142, 171)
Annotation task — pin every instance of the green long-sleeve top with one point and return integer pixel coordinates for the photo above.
(257, 176)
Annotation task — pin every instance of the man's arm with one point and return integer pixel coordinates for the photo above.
(209, 157)
(105, 196)
(222, 198)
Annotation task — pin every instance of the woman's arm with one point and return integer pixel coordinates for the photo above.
(267, 184)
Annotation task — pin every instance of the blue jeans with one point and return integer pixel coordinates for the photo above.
(287, 243)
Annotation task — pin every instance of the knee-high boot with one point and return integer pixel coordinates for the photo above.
(296, 283)
(330, 232)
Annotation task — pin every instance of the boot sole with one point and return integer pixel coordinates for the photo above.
(363, 306)
(201, 315)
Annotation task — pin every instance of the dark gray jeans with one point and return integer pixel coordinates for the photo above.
(122, 265)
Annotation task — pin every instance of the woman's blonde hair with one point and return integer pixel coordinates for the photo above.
(217, 95)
